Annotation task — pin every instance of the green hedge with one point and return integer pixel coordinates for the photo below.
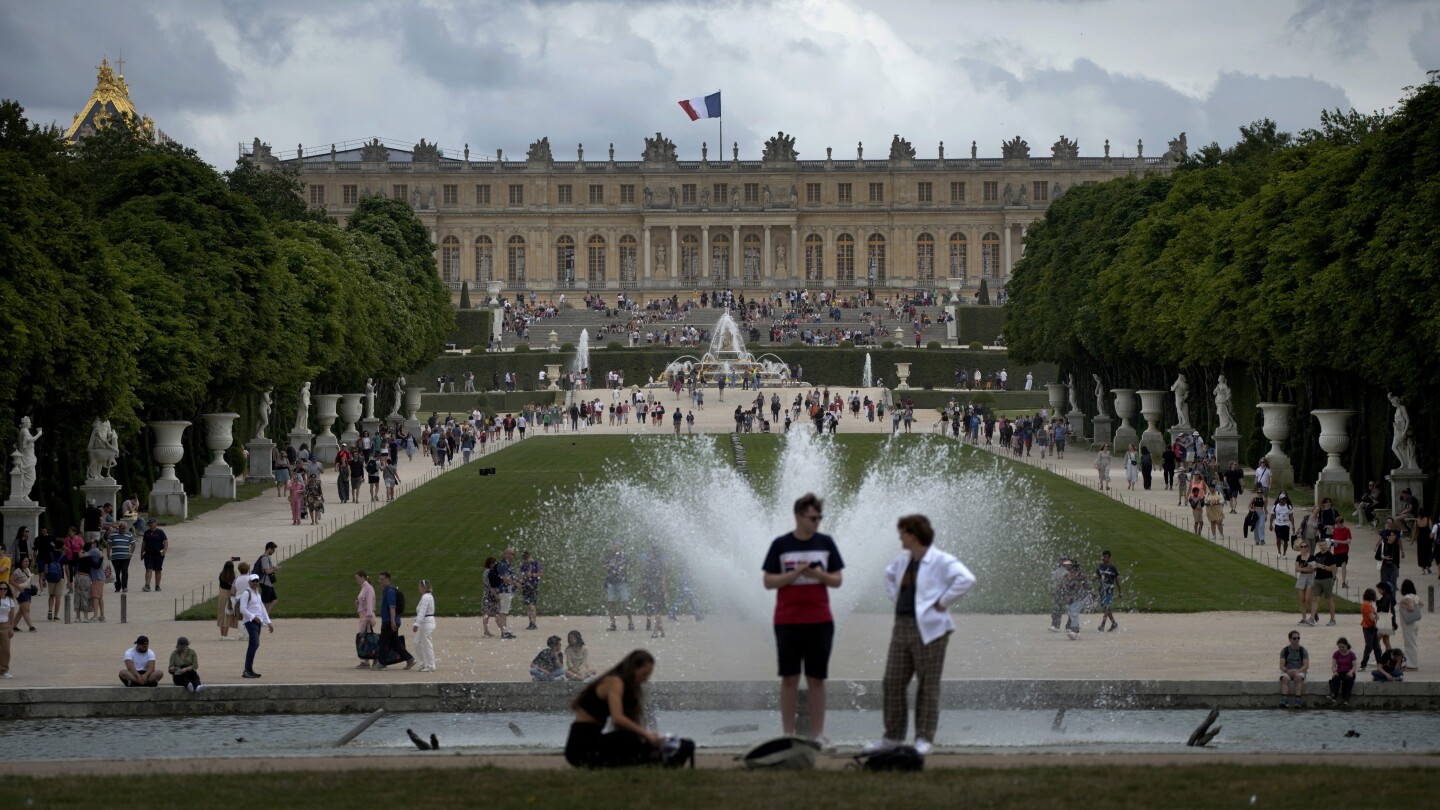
(977, 323)
(828, 366)
(472, 328)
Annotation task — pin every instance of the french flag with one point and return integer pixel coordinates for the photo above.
(703, 107)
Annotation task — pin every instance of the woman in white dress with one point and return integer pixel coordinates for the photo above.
(424, 628)
(1132, 467)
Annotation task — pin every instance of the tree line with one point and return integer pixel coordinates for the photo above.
(138, 283)
(1304, 267)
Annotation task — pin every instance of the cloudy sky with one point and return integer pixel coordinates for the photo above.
(497, 74)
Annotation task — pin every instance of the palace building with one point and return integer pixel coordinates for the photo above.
(661, 224)
(110, 102)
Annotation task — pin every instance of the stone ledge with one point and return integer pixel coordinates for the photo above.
(66, 702)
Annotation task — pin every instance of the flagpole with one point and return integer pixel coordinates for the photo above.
(721, 119)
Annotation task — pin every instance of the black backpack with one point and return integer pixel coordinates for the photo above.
(399, 603)
(902, 758)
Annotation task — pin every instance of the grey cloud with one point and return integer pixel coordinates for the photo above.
(1425, 42)
(1336, 22)
(1292, 102)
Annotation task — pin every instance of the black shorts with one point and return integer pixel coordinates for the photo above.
(154, 562)
(804, 646)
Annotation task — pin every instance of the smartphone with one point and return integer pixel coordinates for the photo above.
(815, 565)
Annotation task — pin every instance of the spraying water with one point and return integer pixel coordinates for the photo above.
(582, 353)
(867, 376)
(728, 358)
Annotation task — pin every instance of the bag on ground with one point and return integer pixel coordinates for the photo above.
(367, 646)
(783, 753)
(903, 758)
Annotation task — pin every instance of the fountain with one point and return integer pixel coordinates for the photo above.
(868, 375)
(582, 355)
(728, 359)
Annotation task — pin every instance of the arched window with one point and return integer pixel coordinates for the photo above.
(752, 259)
(595, 261)
(958, 254)
(450, 260)
(484, 259)
(515, 260)
(925, 259)
(875, 259)
(844, 259)
(629, 259)
(814, 258)
(990, 255)
(565, 261)
(689, 260)
(720, 259)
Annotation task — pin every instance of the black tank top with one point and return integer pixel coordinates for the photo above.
(594, 705)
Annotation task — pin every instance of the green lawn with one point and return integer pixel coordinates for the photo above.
(1112, 786)
(445, 529)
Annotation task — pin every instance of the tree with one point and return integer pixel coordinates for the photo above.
(465, 295)
(983, 296)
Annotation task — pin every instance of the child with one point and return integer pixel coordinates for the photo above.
(1368, 612)
(577, 655)
(1342, 672)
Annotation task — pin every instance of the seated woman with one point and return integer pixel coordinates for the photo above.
(615, 696)
(577, 658)
(185, 666)
(549, 663)
(1391, 666)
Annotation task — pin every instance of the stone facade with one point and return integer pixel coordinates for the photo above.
(662, 224)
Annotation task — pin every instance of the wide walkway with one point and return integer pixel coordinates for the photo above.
(1159, 646)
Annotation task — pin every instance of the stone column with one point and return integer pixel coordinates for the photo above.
(219, 479)
(1277, 430)
(167, 496)
(326, 446)
(705, 268)
(1334, 480)
(674, 254)
(646, 239)
(795, 258)
(1125, 435)
(1152, 406)
(1005, 273)
(767, 266)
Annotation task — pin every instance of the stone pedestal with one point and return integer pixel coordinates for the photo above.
(952, 332)
(302, 438)
(1152, 407)
(1125, 435)
(1077, 426)
(350, 410)
(370, 425)
(552, 373)
(257, 467)
(1102, 435)
(101, 491)
(326, 446)
(168, 496)
(1277, 429)
(15, 514)
(412, 407)
(218, 480)
(1400, 479)
(902, 372)
(1227, 448)
(1334, 480)
(395, 421)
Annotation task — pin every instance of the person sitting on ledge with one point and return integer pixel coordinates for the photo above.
(616, 696)
(185, 666)
(1391, 666)
(549, 664)
(140, 665)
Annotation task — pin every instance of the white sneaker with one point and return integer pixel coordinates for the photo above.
(923, 747)
(200, 688)
(823, 744)
(1072, 635)
(7, 676)
(189, 687)
(881, 745)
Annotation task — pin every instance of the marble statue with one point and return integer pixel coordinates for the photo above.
(1403, 445)
(1074, 395)
(780, 261)
(766, 198)
(267, 400)
(25, 446)
(673, 197)
(660, 260)
(370, 398)
(399, 395)
(1224, 406)
(794, 196)
(649, 197)
(302, 409)
(103, 449)
(1099, 396)
(1182, 399)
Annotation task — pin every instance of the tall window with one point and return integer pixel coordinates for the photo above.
(845, 259)
(317, 194)
(515, 259)
(753, 253)
(990, 255)
(627, 194)
(875, 259)
(812, 193)
(689, 260)
(925, 192)
(517, 194)
(484, 259)
(1039, 191)
(925, 259)
(844, 194)
(687, 193)
(565, 194)
(814, 258)
(595, 260)
(400, 191)
(720, 258)
(958, 253)
(565, 261)
(992, 191)
(350, 194)
(720, 193)
(597, 194)
(482, 194)
(957, 192)
(450, 260)
(629, 261)
(752, 193)
(877, 192)
(449, 194)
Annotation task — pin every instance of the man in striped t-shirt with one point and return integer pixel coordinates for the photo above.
(121, 546)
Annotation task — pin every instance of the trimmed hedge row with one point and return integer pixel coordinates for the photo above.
(472, 329)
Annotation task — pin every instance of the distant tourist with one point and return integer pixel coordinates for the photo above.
(9, 615)
(1074, 589)
(153, 548)
(254, 616)
(24, 585)
(577, 658)
(616, 697)
(265, 569)
(652, 590)
(549, 663)
(923, 582)
(1294, 663)
(802, 566)
(506, 574)
(184, 666)
(392, 645)
(365, 610)
(617, 589)
(1390, 667)
(531, 569)
(1107, 577)
(138, 665)
(424, 627)
(225, 616)
(1102, 466)
(1342, 672)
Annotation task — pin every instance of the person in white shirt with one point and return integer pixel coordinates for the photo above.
(424, 627)
(922, 582)
(253, 616)
(9, 615)
(139, 665)
(1262, 476)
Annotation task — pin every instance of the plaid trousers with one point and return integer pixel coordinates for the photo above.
(910, 657)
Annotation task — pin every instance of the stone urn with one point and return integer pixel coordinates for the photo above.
(554, 340)
(902, 373)
(493, 288)
(167, 496)
(1276, 428)
(1057, 397)
(552, 373)
(412, 407)
(1334, 480)
(326, 446)
(219, 479)
(899, 335)
(1152, 407)
(351, 407)
(1125, 434)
